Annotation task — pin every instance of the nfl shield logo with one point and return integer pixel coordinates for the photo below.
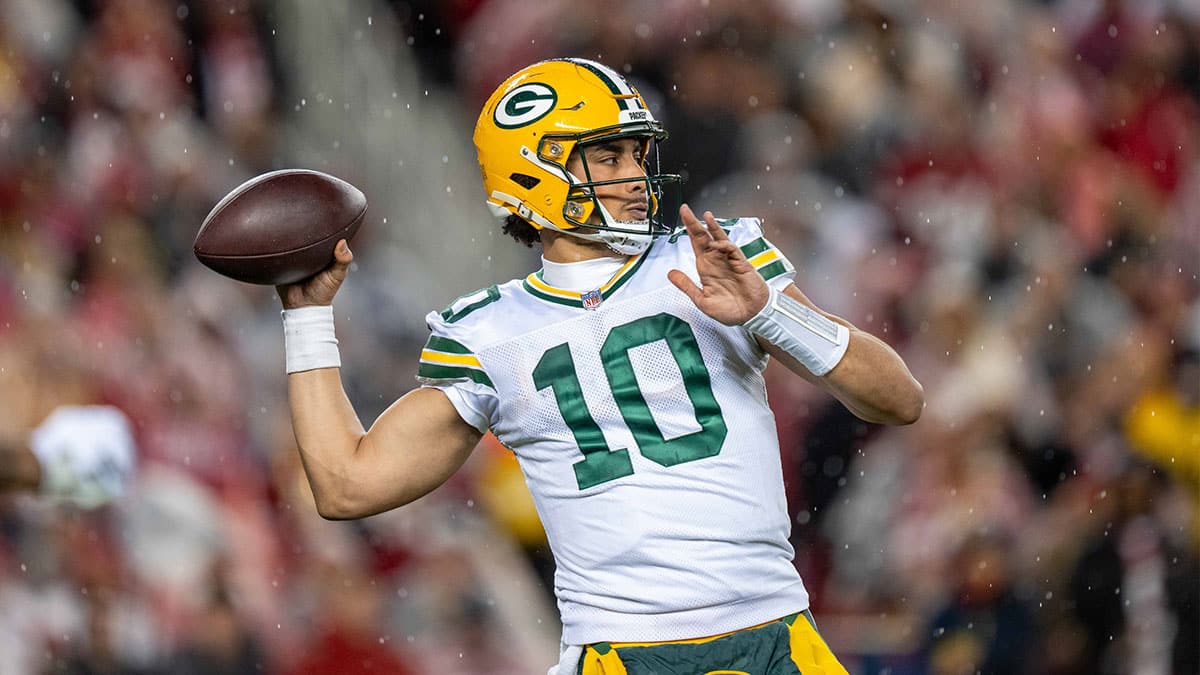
(591, 299)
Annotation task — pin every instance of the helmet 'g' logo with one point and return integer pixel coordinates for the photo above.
(524, 105)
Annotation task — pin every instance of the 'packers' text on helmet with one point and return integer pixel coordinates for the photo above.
(527, 131)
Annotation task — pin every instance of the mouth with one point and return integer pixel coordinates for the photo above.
(638, 211)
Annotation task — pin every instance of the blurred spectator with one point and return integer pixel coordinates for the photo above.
(218, 640)
(348, 642)
(985, 627)
(1136, 588)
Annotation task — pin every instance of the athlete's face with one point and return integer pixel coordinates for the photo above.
(613, 160)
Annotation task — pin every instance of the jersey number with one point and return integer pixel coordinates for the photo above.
(600, 464)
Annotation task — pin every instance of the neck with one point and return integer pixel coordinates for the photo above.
(581, 276)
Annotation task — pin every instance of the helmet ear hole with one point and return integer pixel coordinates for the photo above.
(525, 180)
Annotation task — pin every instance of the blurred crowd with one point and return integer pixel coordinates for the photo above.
(1006, 192)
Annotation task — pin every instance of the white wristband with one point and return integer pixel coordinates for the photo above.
(812, 338)
(308, 339)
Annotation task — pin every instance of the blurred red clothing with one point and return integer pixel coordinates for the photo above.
(339, 652)
(1159, 139)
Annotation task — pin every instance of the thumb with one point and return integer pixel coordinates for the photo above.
(342, 257)
(342, 253)
(684, 283)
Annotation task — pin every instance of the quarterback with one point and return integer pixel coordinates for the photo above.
(625, 375)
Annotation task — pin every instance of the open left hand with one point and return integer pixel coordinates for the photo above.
(730, 290)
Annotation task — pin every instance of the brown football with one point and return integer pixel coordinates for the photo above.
(280, 227)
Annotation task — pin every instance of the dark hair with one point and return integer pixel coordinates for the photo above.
(517, 228)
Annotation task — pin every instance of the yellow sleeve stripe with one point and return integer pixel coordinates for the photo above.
(444, 359)
(765, 258)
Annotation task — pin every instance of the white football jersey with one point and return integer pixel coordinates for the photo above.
(643, 430)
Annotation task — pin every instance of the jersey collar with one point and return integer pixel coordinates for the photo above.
(537, 287)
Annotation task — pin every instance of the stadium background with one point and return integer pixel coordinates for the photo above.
(1007, 192)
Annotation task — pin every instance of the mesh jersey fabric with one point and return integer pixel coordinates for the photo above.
(683, 529)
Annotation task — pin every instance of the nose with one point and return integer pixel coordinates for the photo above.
(636, 171)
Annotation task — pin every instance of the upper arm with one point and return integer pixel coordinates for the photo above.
(413, 447)
(426, 435)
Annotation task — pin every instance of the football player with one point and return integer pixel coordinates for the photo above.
(625, 375)
(81, 455)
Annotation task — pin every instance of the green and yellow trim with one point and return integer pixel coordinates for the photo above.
(765, 258)
(540, 289)
(756, 247)
(760, 260)
(446, 359)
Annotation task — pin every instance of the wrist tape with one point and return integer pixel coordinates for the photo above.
(812, 338)
(308, 339)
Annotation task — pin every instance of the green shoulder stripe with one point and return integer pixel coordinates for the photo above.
(441, 344)
(470, 302)
(429, 371)
(755, 247)
(773, 270)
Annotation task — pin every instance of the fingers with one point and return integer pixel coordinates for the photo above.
(726, 248)
(322, 287)
(342, 257)
(685, 284)
(694, 227)
(714, 228)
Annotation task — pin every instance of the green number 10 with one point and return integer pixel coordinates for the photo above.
(600, 464)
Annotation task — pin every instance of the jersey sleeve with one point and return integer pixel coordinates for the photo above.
(447, 363)
(769, 261)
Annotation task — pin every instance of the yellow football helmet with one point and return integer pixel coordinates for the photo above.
(527, 131)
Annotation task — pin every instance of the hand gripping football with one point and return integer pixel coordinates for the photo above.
(280, 227)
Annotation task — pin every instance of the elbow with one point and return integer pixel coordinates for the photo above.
(911, 405)
(350, 501)
(332, 507)
(339, 498)
(335, 514)
(900, 408)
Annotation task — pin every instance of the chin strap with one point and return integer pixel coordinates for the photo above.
(625, 243)
(620, 242)
(617, 242)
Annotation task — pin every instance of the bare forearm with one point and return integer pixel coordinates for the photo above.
(873, 382)
(328, 433)
(870, 379)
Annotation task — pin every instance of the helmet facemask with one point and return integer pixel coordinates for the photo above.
(585, 210)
